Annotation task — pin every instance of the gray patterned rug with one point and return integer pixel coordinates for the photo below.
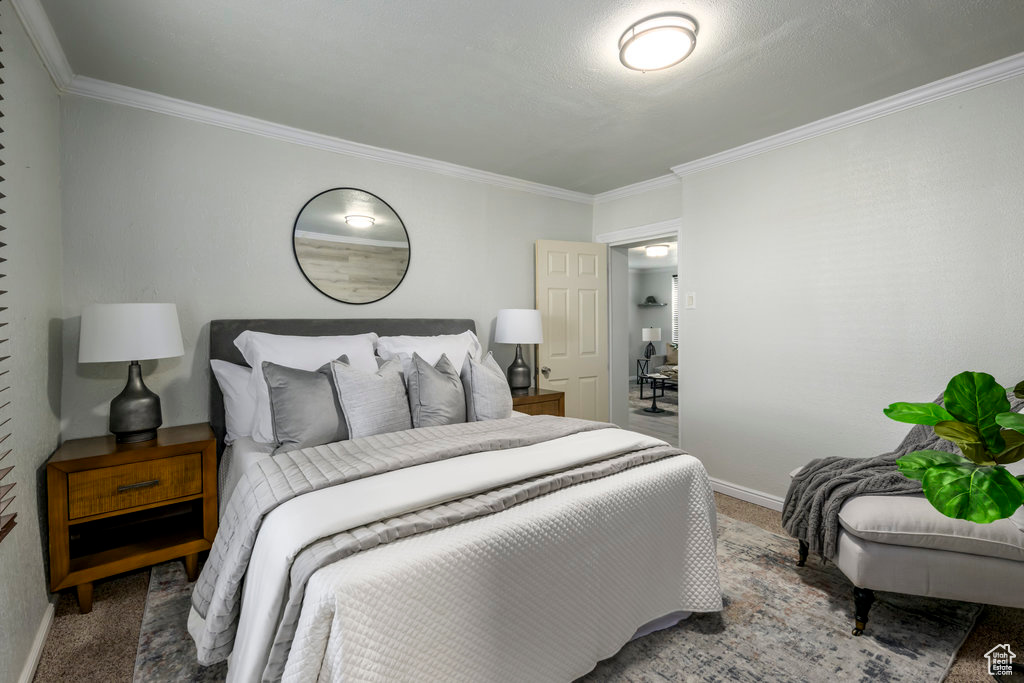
(669, 401)
(781, 623)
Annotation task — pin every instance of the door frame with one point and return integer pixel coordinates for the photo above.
(669, 229)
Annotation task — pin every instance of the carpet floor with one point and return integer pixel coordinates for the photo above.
(103, 645)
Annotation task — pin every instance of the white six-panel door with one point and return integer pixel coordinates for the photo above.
(572, 296)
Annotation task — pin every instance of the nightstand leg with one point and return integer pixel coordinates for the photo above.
(192, 566)
(84, 591)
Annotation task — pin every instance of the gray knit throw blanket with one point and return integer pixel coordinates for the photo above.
(818, 491)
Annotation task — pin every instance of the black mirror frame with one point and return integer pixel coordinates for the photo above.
(298, 263)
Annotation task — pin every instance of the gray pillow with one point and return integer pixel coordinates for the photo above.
(436, 396)
(372, 402)
(487, 394)
(304, 406)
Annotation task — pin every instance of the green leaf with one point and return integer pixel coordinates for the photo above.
(914, 465)
(917, 413)
(1014, 450)
(1018, 390)
(976, 398)
(967, 438)
(977, 494)
(1014, 421)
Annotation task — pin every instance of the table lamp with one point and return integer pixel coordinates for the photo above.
(650, 334)
(518, 326)
(131, 332)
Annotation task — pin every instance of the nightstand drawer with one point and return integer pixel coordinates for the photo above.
(541, 408)
(94, 492)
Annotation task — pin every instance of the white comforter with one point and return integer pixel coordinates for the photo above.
(538, 592)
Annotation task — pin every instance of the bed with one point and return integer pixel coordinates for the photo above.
(522, 548)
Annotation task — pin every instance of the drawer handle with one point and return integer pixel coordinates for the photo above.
(140, 485)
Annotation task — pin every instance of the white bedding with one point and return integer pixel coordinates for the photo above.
(341, 624)
(303, 520)
(540, 592)
(235, 459)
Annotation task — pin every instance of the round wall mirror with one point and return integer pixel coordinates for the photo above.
(351, 245)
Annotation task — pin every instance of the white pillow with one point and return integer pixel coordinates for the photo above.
(455, 346)
(239, 405)
(300, 352)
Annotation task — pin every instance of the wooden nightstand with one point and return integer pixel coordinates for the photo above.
(540, 402)
(117, 507)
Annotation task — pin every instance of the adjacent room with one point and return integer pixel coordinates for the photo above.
(653, 356)
(596, 340)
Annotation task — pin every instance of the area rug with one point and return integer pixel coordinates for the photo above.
(781, 623)
(670, 401)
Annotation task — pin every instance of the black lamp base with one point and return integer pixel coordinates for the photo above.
(519, 373)
(650, 350)
(135, 412)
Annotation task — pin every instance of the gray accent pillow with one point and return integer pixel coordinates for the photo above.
(304, 407)
(487, 394)
(436, 396)
(372, 402)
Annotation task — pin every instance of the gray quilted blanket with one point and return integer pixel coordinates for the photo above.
(274, 481)
(819, 490)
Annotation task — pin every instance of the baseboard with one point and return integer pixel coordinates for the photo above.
(765, 500)
(28, 672)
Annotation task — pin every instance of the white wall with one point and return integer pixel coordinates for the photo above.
(652, 206)
(32, 163)
(620, 310)
(845, 272)
(163, 209)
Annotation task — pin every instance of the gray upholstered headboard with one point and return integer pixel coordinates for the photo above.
(223, 333)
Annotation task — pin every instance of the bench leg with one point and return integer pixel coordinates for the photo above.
(804, 549)
(863, 598)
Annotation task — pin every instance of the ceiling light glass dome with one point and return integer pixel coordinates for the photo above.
(658, 42)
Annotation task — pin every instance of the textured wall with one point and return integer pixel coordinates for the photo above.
(843, 273)
(31, 139)
(163, 209)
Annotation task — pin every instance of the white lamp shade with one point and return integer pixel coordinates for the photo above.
(651, 334)
(518, 326)
(124, 332)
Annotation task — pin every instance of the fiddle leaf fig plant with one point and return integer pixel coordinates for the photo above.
(976, 416)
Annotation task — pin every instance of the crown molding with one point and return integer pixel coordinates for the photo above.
(636, 188)
(994, 72)
(40, 32)
(639, 233)
(150, 101)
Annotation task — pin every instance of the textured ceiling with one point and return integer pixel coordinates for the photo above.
(533, 88)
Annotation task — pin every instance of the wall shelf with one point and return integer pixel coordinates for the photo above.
(643, 305)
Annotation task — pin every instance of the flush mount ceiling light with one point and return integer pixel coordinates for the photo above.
(658, 42)
(657, 250)
(359, 221)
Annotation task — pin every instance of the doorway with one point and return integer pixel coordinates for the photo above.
(645, 310)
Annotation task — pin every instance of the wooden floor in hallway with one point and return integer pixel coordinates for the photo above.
(663, 426)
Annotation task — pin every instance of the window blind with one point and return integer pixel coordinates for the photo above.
(675, 309)
(7, 518)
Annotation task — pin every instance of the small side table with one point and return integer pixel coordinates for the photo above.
(655, 380)
(540, 402)
(642, 366)
(114, 507)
